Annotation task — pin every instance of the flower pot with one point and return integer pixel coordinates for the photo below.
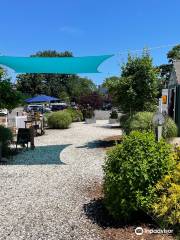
(113, 120)
(90, 120)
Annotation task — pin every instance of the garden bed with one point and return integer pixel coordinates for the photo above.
(113, 230)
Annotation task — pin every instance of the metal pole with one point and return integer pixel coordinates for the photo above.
(159, 132)
(160, 105)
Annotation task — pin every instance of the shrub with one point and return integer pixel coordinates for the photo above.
(142, 121)
(131, 169)
(124, 122)
(164, 199)
(5, 137)
(169, 129)
(88, 113)
(76, 115)
(114, 115)
(59, 120)
(167, 203)
(93, 99)
(46, 116)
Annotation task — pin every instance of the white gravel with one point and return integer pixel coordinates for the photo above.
(42, 193)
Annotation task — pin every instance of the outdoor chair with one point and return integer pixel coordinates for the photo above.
(24, 136)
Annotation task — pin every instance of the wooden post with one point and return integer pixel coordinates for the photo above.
(32, 138)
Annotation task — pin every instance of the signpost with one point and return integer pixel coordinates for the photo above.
(158, 121)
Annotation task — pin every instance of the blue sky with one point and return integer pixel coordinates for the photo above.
(89, 27)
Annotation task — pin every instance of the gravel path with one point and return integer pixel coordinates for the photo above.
(42, 193)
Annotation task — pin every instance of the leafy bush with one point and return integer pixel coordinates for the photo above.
(88, 113)
(164, 200)
(59, 120)
(169, 129)
(131, 169)
(114, 115)
(142, 121)
(76, 115)
(5, 137)
(93, 99)
(124, 122)
(46, 116)
(167, 204)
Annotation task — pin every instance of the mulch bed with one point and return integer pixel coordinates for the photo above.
(113, 230)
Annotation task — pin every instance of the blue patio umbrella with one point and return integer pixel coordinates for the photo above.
(41, 98)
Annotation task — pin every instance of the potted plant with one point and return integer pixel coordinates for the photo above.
(89, 115)
(113, 117)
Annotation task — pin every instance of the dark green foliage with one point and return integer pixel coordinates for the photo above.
(76, 115)
(87, 113)
(143, 121)
(174, 53)
(114, 114)
(59, 120)
(137, 88)
(52, 53)
(5, 138)
(131, 168)
(9, 97)
(165, 69)
(124, 122)
(164, 72)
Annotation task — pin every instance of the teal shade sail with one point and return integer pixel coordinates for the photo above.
(66, 65)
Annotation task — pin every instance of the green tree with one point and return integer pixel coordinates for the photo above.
(165, 69)
(56, 85)
(78, 86)
(49, 84)
(111, 84)
(137, 88)
(174, 53)
(164, 72)
(9, 97)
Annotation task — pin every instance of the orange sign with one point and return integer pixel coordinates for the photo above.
(164, 99)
